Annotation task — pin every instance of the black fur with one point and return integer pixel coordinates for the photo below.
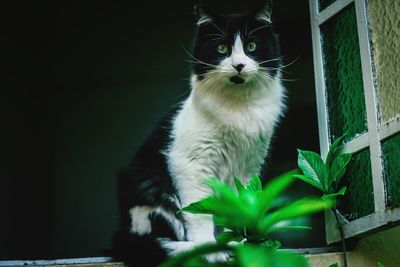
(146, 181)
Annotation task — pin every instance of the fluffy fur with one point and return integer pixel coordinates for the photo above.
(222, 130)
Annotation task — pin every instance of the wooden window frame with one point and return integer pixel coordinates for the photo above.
(377, 132)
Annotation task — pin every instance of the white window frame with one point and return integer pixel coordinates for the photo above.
(377, 131)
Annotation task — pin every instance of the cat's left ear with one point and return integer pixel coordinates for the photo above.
(264, 11)
(203, 15)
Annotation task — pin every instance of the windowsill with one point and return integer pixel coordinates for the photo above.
(382, 247)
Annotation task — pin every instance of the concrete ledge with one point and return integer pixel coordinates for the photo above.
(354, 259)
(79, 262)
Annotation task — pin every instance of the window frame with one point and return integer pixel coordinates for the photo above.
(376, 131)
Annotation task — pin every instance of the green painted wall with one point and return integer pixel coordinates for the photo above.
(384, 20)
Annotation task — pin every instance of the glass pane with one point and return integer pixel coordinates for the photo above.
(359, 198)
(385, 36)
(343, 76)
(324, 3)
(391, 159)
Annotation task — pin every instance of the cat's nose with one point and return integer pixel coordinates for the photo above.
(239, 67)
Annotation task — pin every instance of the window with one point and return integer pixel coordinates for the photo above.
(356, 47)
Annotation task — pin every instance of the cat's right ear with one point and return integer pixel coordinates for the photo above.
(202, 14)
(264, 11)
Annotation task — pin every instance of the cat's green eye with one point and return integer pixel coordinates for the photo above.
(251, 46)
(222, 48)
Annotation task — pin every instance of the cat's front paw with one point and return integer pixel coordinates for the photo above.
(217, 257)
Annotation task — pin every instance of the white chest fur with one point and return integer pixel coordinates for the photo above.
(222, 136)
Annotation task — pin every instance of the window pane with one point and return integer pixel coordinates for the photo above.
(343, 76)
(391, 159)
(324, 3)
(359, 198)
(385, 23)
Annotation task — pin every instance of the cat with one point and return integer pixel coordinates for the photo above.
(223, 129)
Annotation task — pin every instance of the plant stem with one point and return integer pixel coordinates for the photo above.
(340, 228)
(197, 252)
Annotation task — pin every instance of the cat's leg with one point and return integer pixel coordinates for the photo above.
(200, 230)
(140, 219)
(174, 248)
(136, 239)
(199, 227)
(157, 221)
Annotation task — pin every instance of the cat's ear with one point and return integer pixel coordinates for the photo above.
(203, 15)
(264, 11)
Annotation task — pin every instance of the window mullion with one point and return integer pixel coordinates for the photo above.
(390, 128)
(331, 10)
(322, 108)
(371, 106)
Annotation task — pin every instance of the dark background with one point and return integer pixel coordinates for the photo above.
(82, 86)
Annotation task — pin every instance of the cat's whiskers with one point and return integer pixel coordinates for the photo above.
(209, 73)
(281, 67)
(214, 79)
(218, 38)
(271, 60)
(201, 62)
(258, 81)
(223, 33)
(246, 28)
(284, 79)
(196, 60)
(259, 28)
(215, 34)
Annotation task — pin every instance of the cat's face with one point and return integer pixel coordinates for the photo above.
(236, 50)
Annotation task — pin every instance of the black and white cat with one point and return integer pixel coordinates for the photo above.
(223, 129)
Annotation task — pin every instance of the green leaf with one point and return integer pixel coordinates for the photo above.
(253, 256)
(254, 184)
(341, 192)
(227, 198)
(313, 167)
(297, 209)
(223, 204)
(310, 181)
(229, 236)
(284, 228)
(227, 223)
(209, 205)
(239, 186)
(334, 265)
(247, 196)
(380, 264)
(272, 189)
(271, 244)
(339, 167)
(333, 150)
(251, 201)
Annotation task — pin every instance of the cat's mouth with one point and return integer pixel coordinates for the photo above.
(237, 79)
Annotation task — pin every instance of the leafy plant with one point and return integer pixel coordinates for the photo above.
(326, 175)
(249, 216)
(247, 213)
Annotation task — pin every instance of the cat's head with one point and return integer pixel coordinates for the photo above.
(235, 50)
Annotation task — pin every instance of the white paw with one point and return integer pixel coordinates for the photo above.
(217, 257)
(173, 248)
